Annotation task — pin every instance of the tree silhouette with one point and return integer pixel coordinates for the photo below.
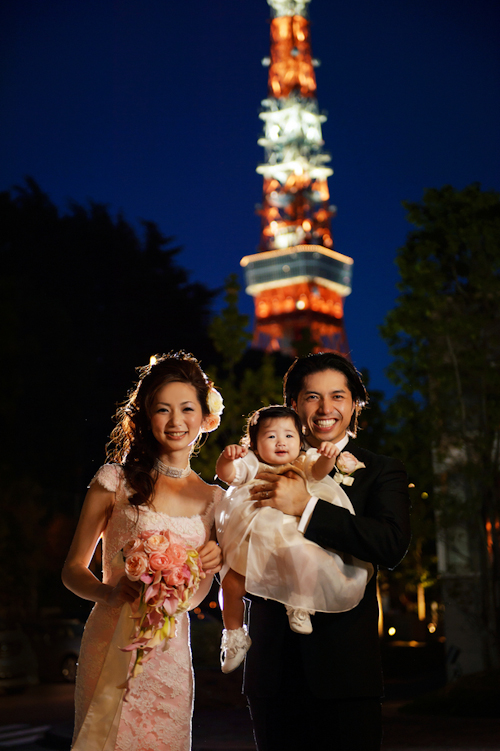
(444, 334)
(83, 300)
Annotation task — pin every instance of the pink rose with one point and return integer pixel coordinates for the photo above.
(174, 577)
(156, 543)
(148, 533)
(136, 565)
(176, 554)
(347, 463)
(158, 561)
(133, 546)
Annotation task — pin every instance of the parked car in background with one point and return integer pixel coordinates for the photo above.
(18, 663)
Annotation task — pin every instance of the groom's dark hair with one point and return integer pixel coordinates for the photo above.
(293, 382)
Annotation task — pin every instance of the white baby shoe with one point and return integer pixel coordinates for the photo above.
(299, 620)
(234, 646)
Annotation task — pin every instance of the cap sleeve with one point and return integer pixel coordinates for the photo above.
(208, 516)
(109, 476)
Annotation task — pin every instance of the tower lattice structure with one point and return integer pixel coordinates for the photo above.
(297, 279)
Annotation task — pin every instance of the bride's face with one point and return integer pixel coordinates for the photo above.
(176, 418)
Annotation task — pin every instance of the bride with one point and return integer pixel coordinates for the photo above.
(148, 486)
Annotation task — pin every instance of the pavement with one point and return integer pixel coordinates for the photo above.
(41, 718)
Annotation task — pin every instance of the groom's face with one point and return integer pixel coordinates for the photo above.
(325, 406)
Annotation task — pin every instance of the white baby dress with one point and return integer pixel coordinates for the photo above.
(277, 561)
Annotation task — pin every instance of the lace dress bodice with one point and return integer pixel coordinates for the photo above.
(128, 521)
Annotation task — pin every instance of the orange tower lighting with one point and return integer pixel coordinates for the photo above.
(297, 279)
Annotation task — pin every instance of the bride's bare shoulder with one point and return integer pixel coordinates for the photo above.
(202, 484)
(207, 490)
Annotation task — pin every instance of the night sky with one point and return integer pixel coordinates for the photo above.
(151, 107)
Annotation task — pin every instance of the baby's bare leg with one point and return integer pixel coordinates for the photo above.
(233, 587)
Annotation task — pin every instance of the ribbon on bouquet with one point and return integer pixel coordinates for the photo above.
(100, 727)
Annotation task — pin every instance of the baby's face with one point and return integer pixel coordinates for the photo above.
(278, 441)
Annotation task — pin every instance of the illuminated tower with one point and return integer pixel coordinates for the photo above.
(297, 279)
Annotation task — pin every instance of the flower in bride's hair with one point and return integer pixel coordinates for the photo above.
(136, 565)
(214, 402)
(210, 423)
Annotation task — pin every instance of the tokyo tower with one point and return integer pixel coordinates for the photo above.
(297, 279)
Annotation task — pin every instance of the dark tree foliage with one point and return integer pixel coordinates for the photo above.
(444, 335)
(383, 431)
(84, 300)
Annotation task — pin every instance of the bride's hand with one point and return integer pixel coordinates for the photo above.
(210, 557)
(125, 591)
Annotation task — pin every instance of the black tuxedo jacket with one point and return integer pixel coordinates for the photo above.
(341, 658)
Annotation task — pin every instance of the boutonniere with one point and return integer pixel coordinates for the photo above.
(345, 466)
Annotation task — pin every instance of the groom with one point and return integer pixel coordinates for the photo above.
(323, 690)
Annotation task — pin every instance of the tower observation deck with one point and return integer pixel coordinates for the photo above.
(297, 279)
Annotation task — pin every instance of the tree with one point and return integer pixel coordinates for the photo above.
(444, 335)
(84, 299)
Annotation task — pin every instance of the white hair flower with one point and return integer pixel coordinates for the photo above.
(214, 402)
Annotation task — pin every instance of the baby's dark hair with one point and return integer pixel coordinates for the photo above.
(255, 420)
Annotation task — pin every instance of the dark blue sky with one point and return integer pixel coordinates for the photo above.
(152, 108)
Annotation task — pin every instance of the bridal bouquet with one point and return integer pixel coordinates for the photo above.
(170, 574)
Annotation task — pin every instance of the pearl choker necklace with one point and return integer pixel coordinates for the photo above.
(168, 471)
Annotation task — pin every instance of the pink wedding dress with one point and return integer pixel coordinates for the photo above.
(156, 715)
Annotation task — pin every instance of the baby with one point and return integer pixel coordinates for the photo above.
(264, 552)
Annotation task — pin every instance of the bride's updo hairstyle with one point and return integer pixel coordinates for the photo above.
(132, 443)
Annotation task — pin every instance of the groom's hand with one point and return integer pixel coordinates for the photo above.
(287, 493)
